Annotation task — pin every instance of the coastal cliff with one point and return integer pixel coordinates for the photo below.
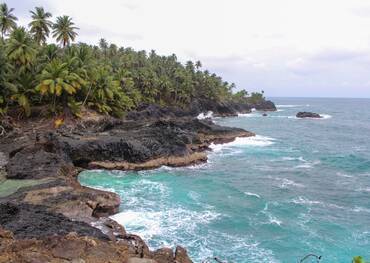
(45, 214)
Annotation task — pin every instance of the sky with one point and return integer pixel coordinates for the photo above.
(288, 48)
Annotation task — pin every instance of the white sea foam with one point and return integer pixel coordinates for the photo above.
(102, 188)
(164, 223)
(288, 106)
(274, 220)
(307, 165)
(344, 175)
(206, 115)
(285, 183)
(288, 158)
(325, 116)
(252, 194)
(249, 115)
(271, 219)
(241, 142)
(198, 166)
(359, 209)
(304, 201)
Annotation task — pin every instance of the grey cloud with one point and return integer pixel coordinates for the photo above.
(335, 55)
(329, 60)
(23, 7)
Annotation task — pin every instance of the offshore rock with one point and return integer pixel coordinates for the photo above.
(305, 114)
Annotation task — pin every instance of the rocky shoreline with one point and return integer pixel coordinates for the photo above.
(47, 216)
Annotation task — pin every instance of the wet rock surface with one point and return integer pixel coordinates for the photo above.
(56, 219)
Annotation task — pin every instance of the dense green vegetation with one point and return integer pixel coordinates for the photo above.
(106, 77)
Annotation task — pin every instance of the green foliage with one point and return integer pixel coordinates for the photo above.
(7, 20)
(40, 25)
(57, 81)
(104, 77)
(107, 96)
(358, 259)
(64, 30)
(20, 49)
(256, 97)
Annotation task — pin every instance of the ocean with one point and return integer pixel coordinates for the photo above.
(300, 186)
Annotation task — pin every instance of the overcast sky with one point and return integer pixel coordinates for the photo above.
(317, 48)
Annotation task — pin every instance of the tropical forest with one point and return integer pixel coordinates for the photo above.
(69, 75)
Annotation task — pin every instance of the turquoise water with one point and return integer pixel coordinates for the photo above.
(299, 187)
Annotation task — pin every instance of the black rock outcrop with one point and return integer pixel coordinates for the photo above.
(305, 114)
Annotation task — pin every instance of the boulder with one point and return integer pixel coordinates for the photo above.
(163, 255)
(181, 255)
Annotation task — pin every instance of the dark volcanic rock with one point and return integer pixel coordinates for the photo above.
(223, 109)
(152, 111)
(58, 205)
(34, 163)
(265, 105)
(32, 221)
(140, 141)
(306, 114)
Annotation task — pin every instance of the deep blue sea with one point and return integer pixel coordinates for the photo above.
(300, 186)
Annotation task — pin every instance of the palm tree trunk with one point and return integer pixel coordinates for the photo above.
(87, 95)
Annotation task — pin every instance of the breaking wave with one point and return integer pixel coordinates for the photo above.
(206, 115)
(240, 142)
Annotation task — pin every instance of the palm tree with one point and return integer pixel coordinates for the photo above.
(20, 48)
(7, 19)
(64, 30)
(198, 65)
(40, 25)
(103, 44)
(58, 81)
(50, 52)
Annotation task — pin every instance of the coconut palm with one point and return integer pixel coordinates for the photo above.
(7, 19)
(20, 48)
(198, 65)
(50, 52)
(56, 80)
(40, 25)
(64, 30)
(103, 44)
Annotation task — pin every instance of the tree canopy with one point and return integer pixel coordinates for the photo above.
(104, 77)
